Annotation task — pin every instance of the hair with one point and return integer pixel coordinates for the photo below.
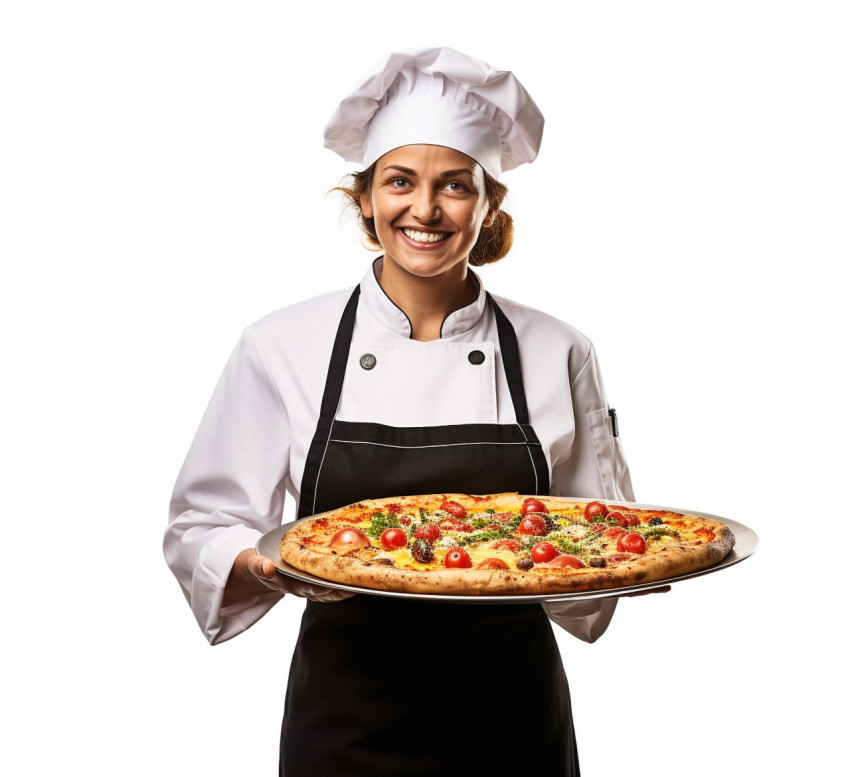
(493, 242)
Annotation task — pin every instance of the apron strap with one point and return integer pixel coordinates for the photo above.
(510, 359)
(339, 357)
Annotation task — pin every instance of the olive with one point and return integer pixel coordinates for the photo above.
(597, 561)
(655, 521)
(524, 563)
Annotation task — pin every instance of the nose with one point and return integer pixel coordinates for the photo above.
(425, 207)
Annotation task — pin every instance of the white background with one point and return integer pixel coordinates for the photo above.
(163, 184)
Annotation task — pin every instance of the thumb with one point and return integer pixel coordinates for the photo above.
(263, 567)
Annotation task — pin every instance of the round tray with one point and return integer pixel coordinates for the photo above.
(746, 541)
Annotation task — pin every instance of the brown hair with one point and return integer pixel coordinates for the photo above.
(493, 242)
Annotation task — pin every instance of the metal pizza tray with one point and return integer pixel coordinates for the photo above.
(746, 541)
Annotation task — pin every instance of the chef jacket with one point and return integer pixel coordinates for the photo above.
(253, 440)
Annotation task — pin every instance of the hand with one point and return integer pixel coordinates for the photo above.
(265, 572)
(252, 575)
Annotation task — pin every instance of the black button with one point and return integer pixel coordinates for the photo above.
(368, 361)
(476, 357)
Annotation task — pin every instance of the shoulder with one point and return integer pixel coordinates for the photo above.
(537, 330)
(311, 317)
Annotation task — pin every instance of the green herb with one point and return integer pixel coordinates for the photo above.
(380, 522)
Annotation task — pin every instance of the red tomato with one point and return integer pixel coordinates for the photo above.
(531, 505)
(512, 545)
(612, 533)
(393, 509)
(428, 531)
(454, 508)
(491, 563)
(632, 519)
(459, 558)
(405, 520)
(598, 527)
(594, 509)
(348, 539)
(566, 560)
(631, 543)
(393, 538)
(543, 552)
(532, 524)
(618, 517)
(501, 517)
(451, 524)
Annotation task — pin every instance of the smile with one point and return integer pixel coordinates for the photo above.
(424, 237)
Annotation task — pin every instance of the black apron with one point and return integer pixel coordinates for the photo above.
(389, 687)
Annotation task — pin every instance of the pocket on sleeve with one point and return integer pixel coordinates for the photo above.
(610, 459)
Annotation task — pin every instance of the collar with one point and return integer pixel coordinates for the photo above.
(394, 318)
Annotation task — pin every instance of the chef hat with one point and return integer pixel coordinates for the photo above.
(440, 97)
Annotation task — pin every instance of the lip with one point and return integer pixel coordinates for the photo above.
(423, 246)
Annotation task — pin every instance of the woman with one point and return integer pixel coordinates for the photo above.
(360, 394)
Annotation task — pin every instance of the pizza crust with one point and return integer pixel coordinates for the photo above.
(300, 548)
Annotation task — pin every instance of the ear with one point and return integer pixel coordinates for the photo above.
(366, 204)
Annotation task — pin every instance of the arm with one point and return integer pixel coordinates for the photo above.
(595, 467)
(230, 492)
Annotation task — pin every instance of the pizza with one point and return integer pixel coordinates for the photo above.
(501, 544)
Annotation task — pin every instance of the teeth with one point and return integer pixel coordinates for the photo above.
(425, 237)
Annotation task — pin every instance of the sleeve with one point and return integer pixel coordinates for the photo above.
(595, 468)
(229, 491)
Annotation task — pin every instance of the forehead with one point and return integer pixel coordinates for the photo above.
(427, 159)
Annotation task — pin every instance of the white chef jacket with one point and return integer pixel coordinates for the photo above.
(252, 444)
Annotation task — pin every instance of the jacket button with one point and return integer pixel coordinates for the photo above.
(476, 357)
(368, 361)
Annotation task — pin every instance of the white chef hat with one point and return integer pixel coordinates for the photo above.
(440, 97)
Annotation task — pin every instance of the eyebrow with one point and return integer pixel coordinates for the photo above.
(413, 173)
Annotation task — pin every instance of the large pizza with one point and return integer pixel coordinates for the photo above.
(501, 544)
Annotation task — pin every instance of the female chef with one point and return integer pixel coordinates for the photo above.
(416, 381)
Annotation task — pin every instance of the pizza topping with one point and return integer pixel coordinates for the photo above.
(379, 522)
(595, 511)
(491, 563)
(531, 505)
(512, 545)
(349, 539)
(450, 524)
(543, 552)
(393, 538)
(447, 542)
(597, 561)
(428, 531)
(565, 560)
(533, 524)
(457, 558)
(656, 521)
(454, 508)
(525, 563)
(422, 551)
(612, 533)
(631, 543)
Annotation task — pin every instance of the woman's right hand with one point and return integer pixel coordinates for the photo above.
(253, 575)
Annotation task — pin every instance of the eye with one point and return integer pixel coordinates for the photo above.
(456, 186)
(398, 183)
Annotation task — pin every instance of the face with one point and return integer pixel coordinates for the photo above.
(429, 204)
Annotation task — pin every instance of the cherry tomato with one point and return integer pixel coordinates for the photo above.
(348, 539)
(632, 519)
(405, 520)
(532, 524)
(631, 543)
(459, 558)
(612, 533)
(454, 508)
(393, 538)
(451, 524)
(565, 560)
(543, 552)
(531, 505)
(501, 517)
(618, 517)
(594, 509)
(491, 563)
(512, 545)
(428, 531)
(598, 527)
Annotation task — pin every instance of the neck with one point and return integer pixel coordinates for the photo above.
(427, 301)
